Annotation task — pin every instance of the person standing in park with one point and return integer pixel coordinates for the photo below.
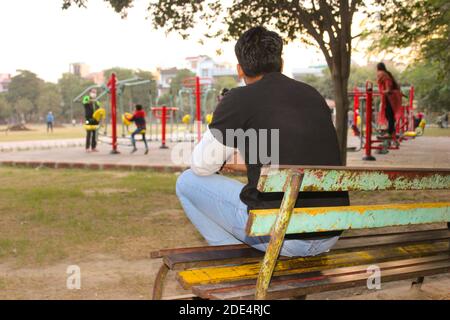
(391, 100)
(139, 120)
(272, 114)
(90, 106)
(50, 121)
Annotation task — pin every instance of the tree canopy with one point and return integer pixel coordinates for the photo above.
(30, 98)
(431, 95)
(422, 25)
(23, 93)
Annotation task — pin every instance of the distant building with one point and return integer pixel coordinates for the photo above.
(205, 67)
(96, 77)
(165, 77)
(299, 73)
(5, 80)
(79, 69)
(202, 66)
(83, 70)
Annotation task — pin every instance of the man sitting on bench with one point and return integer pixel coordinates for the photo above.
(274, 115)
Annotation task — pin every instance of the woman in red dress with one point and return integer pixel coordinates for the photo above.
(391, 98)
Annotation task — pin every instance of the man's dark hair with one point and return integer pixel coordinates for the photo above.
(258, 51)
(138, 107)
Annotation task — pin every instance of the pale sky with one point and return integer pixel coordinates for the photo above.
(39, 36)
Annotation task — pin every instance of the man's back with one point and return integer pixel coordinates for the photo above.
(273, 120)
(306, 132)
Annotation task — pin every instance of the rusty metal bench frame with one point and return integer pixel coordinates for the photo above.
(279, 222)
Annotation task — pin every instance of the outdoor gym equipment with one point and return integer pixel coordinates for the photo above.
(126, 119)
(114, 93)
(200, 86)
(112, 85)
(196, 100)
(364, 124)
(99, 114)
(163, 114)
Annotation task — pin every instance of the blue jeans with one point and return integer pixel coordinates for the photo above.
(213, 205)
(133, 139)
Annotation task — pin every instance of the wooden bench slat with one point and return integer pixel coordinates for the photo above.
(244, 254)
(164, 252)
(219, 257)
(328, 283)
(208, 291)
(368, 241)
(189, 278)
(273, 179)
(303, 220)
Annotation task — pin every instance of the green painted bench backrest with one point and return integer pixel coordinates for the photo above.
(325, 179)
(274, 179)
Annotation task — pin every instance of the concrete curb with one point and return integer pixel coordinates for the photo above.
(92, 166)
(41, 146)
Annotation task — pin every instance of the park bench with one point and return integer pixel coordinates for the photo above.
(241, 272)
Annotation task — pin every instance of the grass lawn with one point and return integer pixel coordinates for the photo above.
(39, 132)
(49, 215)
(106, 222)
(436, 132)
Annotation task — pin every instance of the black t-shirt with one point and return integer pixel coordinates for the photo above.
(306, 134)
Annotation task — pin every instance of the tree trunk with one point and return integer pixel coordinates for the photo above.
(341, 102)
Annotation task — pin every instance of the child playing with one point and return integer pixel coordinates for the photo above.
(139, 120)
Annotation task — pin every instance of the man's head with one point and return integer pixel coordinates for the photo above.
(258, 52)
(138, 107)
(224, 91)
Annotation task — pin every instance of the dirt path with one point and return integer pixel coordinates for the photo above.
(109, 277)
(102, 277)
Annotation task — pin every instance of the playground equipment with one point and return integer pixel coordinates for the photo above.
(113, 94)
(196, 100)
(163, 114)
(200, 88)
(185, 112)
(364, 123)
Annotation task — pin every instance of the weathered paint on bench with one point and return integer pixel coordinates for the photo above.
(274, 179)
(210, 275)
(280, 179)
(278, 222)
(303, 220)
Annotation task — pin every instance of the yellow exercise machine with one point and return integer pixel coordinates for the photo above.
(419, 130)
(186, 119)
(99, 115)
(209, 118)
(126, 120)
